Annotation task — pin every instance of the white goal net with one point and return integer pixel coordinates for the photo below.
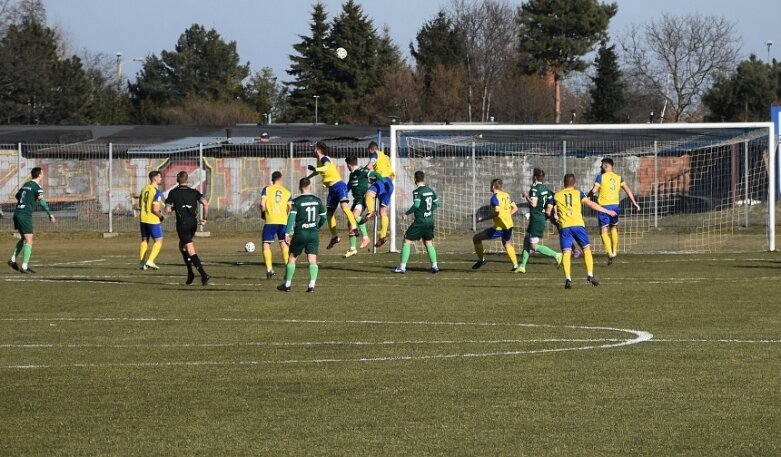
(701, 187)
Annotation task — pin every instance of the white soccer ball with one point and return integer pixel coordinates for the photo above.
(249, 247)
(341, 53)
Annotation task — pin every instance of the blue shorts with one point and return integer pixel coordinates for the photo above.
(272, 230)
(151, 230)
(385, 197)
(505, 234)
(337, 193)
(569, 235)
(605, 220)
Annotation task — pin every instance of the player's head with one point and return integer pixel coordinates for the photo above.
(305, 185)
(373, 146)
(496, 184)
(607, 164)
(420, 177)
(538, 174)
(569, 180)
(154, 177)
(321, 149)
(276, 176)
(36, 172)
(352, 162)
(182, 178)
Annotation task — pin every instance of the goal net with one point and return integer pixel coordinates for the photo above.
(701, 187)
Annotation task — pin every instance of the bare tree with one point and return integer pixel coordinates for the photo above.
(679, 57)
(491, 33)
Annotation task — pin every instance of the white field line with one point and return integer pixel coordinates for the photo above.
(81, 262)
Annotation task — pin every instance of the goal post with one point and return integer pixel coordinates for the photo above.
(707, 187)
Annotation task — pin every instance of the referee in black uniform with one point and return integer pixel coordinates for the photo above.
(184, 200)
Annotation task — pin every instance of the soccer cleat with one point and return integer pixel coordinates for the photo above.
(350, 253)
(334, 241)
(520, 269)
(27, 270)
(13, 265)
(369, 216)
(610, 260)
(568, 284)
(592, 280)
(365, 242)
(269, 274)
(205, 280)
(142, 265)
(399, 270)
(190, 278)
(353, 232)
(576, 253)
(152, 265)
(559, 258)
(381, 241)
(283, 288)
(434, 270)
(479, 264)
(310, 289)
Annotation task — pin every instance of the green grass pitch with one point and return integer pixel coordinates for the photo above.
(670, 355)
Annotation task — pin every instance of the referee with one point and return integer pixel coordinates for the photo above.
(184, 201)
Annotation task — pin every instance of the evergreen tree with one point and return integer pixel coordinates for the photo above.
(265, 94)
(307, 69)
(608, 99)
(555, 34)
(747, 94)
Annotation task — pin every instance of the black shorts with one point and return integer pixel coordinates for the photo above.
(186, 232)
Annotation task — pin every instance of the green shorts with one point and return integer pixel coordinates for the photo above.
(536, 227)
(23, 224)
(305, 241)
(361, 200)
(417, 232)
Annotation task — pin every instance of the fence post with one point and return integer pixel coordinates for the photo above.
(19, 166)
(110, 188)
(291, 180)
(656, 184)
(202, 175)
(564, 156)
(746, 196)
(474, 189)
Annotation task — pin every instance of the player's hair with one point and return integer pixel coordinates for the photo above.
(419, 176)
(351, 160)
(276, 176)
(35, 172)
(496, 183)
(373, 144)
(322, 147)
(153, 174)
(539, 174)
(303, 183)
(569, 180)
(608, 161)
(182, 177)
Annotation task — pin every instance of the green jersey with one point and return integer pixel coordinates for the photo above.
(543, 195)
(27, 199)
(358, 182)
(306, 215)
(424, 202)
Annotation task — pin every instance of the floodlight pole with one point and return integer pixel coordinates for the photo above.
(315, 97)
(768, 43)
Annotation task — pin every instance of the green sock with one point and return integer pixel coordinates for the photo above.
(362, 228)
(353, 240)
(524, 257)
(545, 250)
(313, 269)
(405, 250)
(28, 251)
(17, 250)
(432, 254)
(290, 270)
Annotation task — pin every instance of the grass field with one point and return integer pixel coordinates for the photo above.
(671, 355)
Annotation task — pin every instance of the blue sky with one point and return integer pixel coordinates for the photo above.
(266, 30)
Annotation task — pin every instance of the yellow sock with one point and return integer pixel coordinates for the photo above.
(350, 217)
(566, 263)
(332, 224)
(142, 253)
(285, 253)
(267, 258)
(370, 202)
(384, 223)
(589, 259)
(511, 254)
(614, 237)
(607, 243)
(155, 250)
(479, 250)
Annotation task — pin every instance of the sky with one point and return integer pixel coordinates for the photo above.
(265, 30)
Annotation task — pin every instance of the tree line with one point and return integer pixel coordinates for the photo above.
(474, 61)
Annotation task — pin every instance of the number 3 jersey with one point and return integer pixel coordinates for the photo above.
(609, 185)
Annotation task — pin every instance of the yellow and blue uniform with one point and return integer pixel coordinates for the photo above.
(503, 220)
(382, 165)
(278, 201)
(337, 189)
(569, 209)
(608, 186)
(150, 222)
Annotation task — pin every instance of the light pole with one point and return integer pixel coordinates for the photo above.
(315, 97)
(768, 43)
(119, 68)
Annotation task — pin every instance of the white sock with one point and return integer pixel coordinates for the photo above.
(403, 266)
(311, 284)
(288, 283)
(434, 265)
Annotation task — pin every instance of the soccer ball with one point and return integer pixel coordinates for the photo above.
(249, 247)
(341, 53)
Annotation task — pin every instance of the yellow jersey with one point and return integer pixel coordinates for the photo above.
(503, 205)
(569, 207)
(150, 196)
(278, 203)
(328, 171)
(382, 164)
(608, 186)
